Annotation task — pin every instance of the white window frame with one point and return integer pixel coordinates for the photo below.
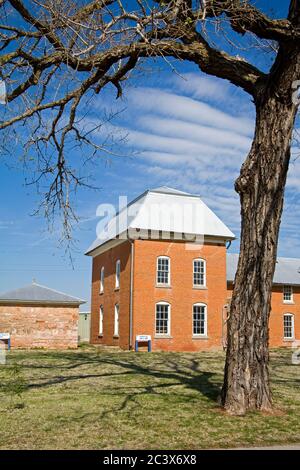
(204, 274)
(169, 271)
(117, 320)
(200, 335)
(290, 315)
(169, 319)
(101, 280)
(118, 274)
(290, 289)
(101, 320)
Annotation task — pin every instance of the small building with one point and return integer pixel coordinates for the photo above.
(161, 269)
(39, 317)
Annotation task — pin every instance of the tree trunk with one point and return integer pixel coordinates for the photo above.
(261, 187)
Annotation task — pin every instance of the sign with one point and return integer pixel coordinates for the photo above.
(142, 338)
(4, 336)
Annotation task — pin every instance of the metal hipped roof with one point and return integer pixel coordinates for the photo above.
(287, 270)
(35, 293)
(164, 210)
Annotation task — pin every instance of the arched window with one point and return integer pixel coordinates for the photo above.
(116, 320)
(288, 326)
(163, 271)
(288, 294)
(199, 272)
(102, 280)
(118, 270)
(101, 320)
(199, 319)
(162, 318)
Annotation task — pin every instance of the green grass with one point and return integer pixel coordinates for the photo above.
(95, 399)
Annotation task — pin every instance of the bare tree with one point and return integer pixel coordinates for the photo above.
(56, 53)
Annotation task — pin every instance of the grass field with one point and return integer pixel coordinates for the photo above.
(95, 399)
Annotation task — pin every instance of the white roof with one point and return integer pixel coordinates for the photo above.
(164, 210)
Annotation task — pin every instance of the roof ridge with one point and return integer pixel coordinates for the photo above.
(57, 291)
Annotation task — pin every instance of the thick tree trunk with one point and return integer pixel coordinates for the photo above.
(261, 188)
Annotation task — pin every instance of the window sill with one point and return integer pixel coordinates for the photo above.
(100, 336)
(289, 302)
(101, 293)
(289, 339)
(200, 337)
(163, 337)
(200, 287)
(116, 336)
(163, 286)
(117, 289)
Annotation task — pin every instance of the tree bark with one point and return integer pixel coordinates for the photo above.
(261, 187)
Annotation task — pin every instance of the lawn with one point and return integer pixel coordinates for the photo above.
(95, 399)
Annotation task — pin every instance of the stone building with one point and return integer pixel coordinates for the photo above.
(39, 317)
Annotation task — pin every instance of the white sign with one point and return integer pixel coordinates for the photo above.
(4, 336)
(143, 337)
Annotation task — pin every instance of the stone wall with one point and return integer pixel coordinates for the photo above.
(40, 326)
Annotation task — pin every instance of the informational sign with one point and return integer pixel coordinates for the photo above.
(142, 339)
(4, 336)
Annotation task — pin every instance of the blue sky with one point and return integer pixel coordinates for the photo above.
(182, 129)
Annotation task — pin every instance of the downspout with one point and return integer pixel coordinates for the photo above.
(131, 294)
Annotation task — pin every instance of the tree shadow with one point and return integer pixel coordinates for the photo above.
(167, 370)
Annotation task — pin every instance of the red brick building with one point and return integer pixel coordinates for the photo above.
(160, 268)
(38, 317)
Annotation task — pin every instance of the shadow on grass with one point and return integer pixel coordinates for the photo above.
(170, 370)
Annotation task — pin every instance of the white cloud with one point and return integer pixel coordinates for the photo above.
(157, 101)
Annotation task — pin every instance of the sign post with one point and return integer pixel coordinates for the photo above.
(142, 339)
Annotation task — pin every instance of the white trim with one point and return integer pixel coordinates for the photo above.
(292, 316)
(199, 335)
(102, 274)
(117, 320)
(204, 263)
(118, 274)
(107, 245)
(167, 284)
(163, 335)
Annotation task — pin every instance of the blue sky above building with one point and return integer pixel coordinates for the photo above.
(174, 126)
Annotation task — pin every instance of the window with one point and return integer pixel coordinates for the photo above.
(118, 269)
(287, 294)
(116, 322)
(162, 320)
(163, 270)
(288, 326)
(199, 272)
(102, 280)
(101, 320)
(199, 320)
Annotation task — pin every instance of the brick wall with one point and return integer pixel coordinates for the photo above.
(278, 309)
(111, 296)
(181, 295)
(40, 326)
